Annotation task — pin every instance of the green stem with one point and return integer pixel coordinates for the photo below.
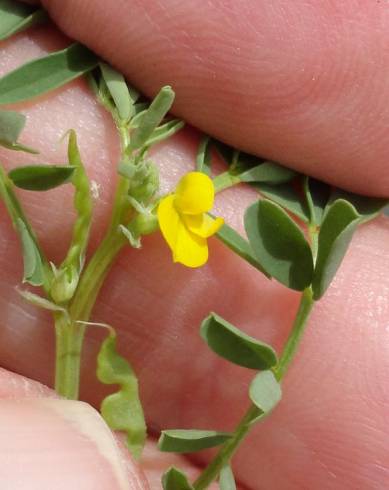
(228, 449)
(224, 181)
(300, 322)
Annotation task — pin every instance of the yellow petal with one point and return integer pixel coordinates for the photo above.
(169, 220)
(187, 248)
(203, 225)
(194, 194)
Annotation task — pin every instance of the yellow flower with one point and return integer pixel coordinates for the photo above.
(183, 221)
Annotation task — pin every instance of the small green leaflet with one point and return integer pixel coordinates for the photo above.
(16, 17)
(367, 207)
(339, 224)
(267, 172)
(265, 391)
(287, 197)
(42, 75)
(279, 244)
(33, 266)
(11, 125)
(118, 89)
(37, 300)
(150, 119)
(174, 479)
(226, 479)
(32, 256)
(41, 177)
(204, 156)
(230, 343)
(189, 441)
(165, 131)
(233, 240)
(317, 195)
(121, 410)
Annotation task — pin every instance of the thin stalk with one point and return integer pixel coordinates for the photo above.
(226, 452)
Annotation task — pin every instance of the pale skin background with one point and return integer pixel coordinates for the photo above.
(304, 82)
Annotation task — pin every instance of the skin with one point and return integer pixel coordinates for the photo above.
(330, 431)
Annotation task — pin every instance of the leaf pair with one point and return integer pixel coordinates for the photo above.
(281, 248)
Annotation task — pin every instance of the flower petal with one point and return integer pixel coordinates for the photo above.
(203, 225)
(190, 249)
(194, 194)
(169, 220)
(187, 248)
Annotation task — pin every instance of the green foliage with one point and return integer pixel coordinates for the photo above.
(42, 75)
(16, 17)
(340, 222)
(287, 196)
(174, 479)
(11, 125)
(317, 195)
(66, 280)
(32, 256)
(189, 441)
(230, 343)
(118, 89)
(121, 410)
(204, 156)
(265, 391)
(41, 177)
(165, 131)
(367, 207)
(279, 244)
(234, 241)
(40, 302)
(150, 119)
(267, 172)
(226, 479)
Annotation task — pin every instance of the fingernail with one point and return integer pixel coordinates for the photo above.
(58, 444)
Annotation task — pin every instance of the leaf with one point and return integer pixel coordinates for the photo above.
(335, 234)
(233, 240)
(11, 125)
(204, 156)
(230, 343)
(267, 172)
(37, 300)
(32, 256)
(279, 244)
(118, 89)
(165, 131)
(16, 17)
(33, 266)
(174, 479)
(121, 410)
(152, 117)
(287, 197)
(226, 479)
(41, 177)
(317, 195)
(265, 391)
(226, 152)
(44, 74)
(189, 441)
(367, 207)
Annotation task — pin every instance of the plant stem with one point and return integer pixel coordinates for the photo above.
(228, 449)
(300, 322)
(222, 458)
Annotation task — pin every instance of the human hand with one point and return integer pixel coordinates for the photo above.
(334, 436)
